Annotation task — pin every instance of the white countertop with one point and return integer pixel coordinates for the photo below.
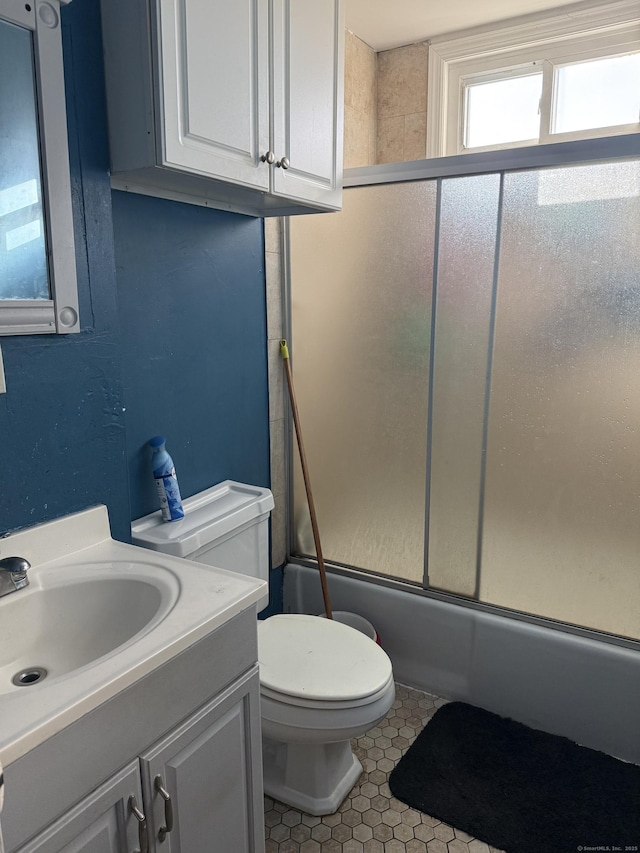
(197, 599)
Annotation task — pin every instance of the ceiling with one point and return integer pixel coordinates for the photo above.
(384, 24)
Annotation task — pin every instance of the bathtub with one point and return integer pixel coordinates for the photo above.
(565, 683)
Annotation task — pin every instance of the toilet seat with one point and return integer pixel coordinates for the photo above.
(325, 704)
(312, 662)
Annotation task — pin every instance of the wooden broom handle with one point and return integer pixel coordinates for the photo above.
(284, 352)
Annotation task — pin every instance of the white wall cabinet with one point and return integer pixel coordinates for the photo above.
(234, 105)
(199, 788)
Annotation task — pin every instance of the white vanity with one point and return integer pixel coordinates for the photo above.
(144, 732)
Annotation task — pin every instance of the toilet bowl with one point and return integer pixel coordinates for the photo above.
(321, 682)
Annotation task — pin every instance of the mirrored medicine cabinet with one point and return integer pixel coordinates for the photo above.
(38, 288)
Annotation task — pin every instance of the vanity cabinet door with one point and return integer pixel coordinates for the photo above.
(308, 100)
(211, 768)
(101, 823)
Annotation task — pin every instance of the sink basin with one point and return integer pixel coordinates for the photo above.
(70, 618)
(97, 616)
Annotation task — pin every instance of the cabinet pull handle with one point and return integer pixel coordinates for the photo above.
(168, 808)
(269, 157)
(283, 164)
(143, 835)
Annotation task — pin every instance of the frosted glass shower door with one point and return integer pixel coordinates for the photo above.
(361, 318)
(561, 535)
(515, 429)
(465, 278)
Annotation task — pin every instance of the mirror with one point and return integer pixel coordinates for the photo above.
(23, 254)
(38, 283)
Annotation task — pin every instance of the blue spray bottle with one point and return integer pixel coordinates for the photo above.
(164, 474)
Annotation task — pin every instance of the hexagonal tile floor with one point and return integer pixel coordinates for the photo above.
(371, 820)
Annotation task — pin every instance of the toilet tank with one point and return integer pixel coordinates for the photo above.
(225, 526)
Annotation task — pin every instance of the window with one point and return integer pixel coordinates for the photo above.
(549, 79)
(502, 111)
(598, 93)
(38, 290)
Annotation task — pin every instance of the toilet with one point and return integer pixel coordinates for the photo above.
(321, 682)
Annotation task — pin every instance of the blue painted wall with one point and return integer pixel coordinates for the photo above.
(191, 299)
(174, 343)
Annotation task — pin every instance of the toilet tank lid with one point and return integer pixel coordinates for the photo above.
(208, 516)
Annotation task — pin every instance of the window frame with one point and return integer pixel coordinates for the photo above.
(609, 131)
(526, 69)
(549, 41)
(60, 313)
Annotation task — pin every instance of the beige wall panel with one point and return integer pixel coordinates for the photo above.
(390, 140)
(359, 103)
(402, 103)
(402, 80)
(415, 136)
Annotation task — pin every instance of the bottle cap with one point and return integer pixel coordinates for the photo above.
(157, 441)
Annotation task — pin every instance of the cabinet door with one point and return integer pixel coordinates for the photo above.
(308, 95)
(211, 767)
(212, 110)
(101, 823)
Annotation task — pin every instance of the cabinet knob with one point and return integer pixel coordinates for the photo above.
(143, 835)
(269, 157)
(283, 164)
(158, 784)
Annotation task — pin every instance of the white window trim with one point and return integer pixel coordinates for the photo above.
(583, 31)
(59, 314)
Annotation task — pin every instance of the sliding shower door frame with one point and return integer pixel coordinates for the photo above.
(489, 162)
(495, 162)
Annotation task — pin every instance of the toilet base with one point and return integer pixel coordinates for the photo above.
(312, 777)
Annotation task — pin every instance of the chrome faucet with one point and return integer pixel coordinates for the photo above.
(13, 574)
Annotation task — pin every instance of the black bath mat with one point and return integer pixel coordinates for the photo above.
(520, 790)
